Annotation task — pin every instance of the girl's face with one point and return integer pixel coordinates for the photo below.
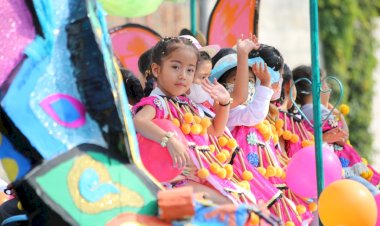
(176, 72)
(203, 71)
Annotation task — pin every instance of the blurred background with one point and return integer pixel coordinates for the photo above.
(349, 41)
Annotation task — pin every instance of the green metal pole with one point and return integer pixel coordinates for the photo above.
(193, 15)
(316, 84)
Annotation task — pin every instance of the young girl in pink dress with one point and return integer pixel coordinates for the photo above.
(335, 131)
(258, 185)
(252, 135)
(174, 61)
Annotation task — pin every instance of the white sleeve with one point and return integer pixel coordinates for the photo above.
(255, 112)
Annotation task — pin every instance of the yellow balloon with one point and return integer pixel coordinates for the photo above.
(347, 202)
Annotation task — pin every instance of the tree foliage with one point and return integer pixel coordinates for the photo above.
(348, 49)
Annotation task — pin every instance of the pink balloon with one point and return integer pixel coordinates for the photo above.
(156, 159)
(301, 175)
(377, 199)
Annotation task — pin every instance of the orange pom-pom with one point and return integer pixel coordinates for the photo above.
(247, 175)
(221, 157)
(306, 143)
(295, 138)
(222, 141)
(197, 119)
(283, 176)
(279, 123)
(365, 161)
(260, 125)
(231, 143)
(261, 170)
(212, 148)
(301, 209)
(203, 173)
(280, 132)
(222, 173)
(176, 122)
(205, 122)
(264, 130)
(266, 122)
(370, 174)
(273, 128)
(266, 136)
(226, 153)
(186, 128)
(214, 168)
(196, 129)
(188, 117)
(313, 207)
(271, 171)
(290, 223)
(254, 219)
(287, 135)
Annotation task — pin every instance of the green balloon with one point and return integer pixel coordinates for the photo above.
(130, 8)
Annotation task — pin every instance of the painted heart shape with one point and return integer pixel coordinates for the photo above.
(322, 90)
(93, 190)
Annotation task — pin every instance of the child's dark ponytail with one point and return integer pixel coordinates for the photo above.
(149, 84)
(132, 86)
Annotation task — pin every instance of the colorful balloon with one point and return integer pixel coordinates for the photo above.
(156, 159)
(130, 8)
(301, 172)
(347, 202)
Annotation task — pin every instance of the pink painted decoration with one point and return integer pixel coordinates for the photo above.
(16, 32)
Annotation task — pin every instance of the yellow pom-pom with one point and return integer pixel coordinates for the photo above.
(214, 168)
(247, 175)
(266, 122)
(222, 141)
(176, 122)
(261, 170)
(231, 143)
(287, 135)
(295, 138)
(290, 223)
(222, 173)
(364, 174)
(301, 209)
(196, 129)
(264, 130)
(271, 171)
(260, 125)
(229, 168)
(245, 184)
(197, 119)
(307, 143)
(279, 172)
(221, 157)
(344, 109)
(279, 123)
(254, 219)
(19, 206)
(205, 122)
(275, 139)
(267, 136)
(365, 161)
(203, 173)
(226, 153)
(204, 131)
(313, 207)
(186, 128)
(212, 148)
(370, 174)
(188, 117)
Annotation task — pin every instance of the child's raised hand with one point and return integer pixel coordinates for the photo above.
(178, 152)
(217, 92)
(262, 73)
(246, 45)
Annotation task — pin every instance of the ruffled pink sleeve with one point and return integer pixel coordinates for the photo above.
(152, 101)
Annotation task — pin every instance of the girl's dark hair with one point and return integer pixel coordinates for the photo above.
(271, 56)
(303, 87)
(287, 76)
(144, 62)
(204, 56)
(162, 49)
(222, 52)
(132, 86)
